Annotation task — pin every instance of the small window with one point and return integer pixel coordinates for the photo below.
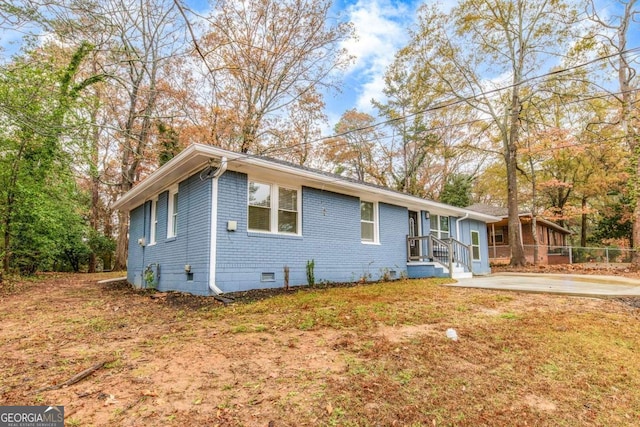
(368, 218)
(172, 222)
(273, 208)
(475, 245)
(268, 277)
(439, 226)
(154, 222)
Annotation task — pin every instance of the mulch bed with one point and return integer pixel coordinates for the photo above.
(197, 302)
(183, 300)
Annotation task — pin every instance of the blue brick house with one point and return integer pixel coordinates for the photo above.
(212, 221)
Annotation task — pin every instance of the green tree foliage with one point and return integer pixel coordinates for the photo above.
(615, 222)
(169, 143)
(40, 219)
(457, 190)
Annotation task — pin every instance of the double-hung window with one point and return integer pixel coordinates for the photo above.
(153, 232)
(172, 222)
(287, 210)
(273, 208)
(498, 236)
(440, 226)
(475, 245)
(368, 222)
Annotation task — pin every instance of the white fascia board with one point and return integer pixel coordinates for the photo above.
(197, 155)
(171, 173)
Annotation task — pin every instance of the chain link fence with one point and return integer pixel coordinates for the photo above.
(581, 255)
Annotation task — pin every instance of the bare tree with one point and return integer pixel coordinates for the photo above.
(355, 151)
(484, 44)
(268, 55)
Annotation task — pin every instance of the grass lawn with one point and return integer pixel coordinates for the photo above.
(367, 355)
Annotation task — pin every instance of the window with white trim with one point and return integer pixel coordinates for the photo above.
(273, 208)
(475, 245)
(172, 221)
(153, 231)
(497, 236)
(439, 226)
(368, 222)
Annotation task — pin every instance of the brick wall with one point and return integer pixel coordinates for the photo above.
(190, 246)
(330, 237)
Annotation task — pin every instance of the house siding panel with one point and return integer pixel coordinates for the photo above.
(330, 237)
(468, 225)
(136, 252)
(191, 245)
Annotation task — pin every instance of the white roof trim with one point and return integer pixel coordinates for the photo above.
(197, 156)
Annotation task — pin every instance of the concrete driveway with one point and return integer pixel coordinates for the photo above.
(572, 284)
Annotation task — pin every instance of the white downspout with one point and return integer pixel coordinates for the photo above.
(214, 226)
(458, 226)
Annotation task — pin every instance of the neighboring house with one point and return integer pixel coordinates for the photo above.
(212, 221)
(552, 238)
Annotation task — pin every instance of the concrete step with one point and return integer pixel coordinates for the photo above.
(462, 275)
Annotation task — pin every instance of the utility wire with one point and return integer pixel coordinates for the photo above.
(333, 141)
(459, 100)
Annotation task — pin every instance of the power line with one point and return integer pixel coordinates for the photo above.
(459, 100)
(338, 142)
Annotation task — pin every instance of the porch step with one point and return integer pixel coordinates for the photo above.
(458, 272)
(462, 275)
(434, 269)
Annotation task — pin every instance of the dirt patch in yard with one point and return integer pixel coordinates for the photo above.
(350, 355)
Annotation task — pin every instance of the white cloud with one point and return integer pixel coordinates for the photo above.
(381, 29)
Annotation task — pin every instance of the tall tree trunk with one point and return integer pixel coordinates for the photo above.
(93, 221)
(534, 214)
(95, 174)
(583, 223)
(133, 149)
(122, 243)
(6, 259)
(515, 236)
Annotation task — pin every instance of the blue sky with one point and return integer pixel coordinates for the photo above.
(381, 29)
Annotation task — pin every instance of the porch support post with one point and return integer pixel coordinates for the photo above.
(493, 239)
(451, 255)
(430, 250)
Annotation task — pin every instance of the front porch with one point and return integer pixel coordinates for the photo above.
(428, 256)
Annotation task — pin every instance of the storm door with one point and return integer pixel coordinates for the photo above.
(414, 231)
